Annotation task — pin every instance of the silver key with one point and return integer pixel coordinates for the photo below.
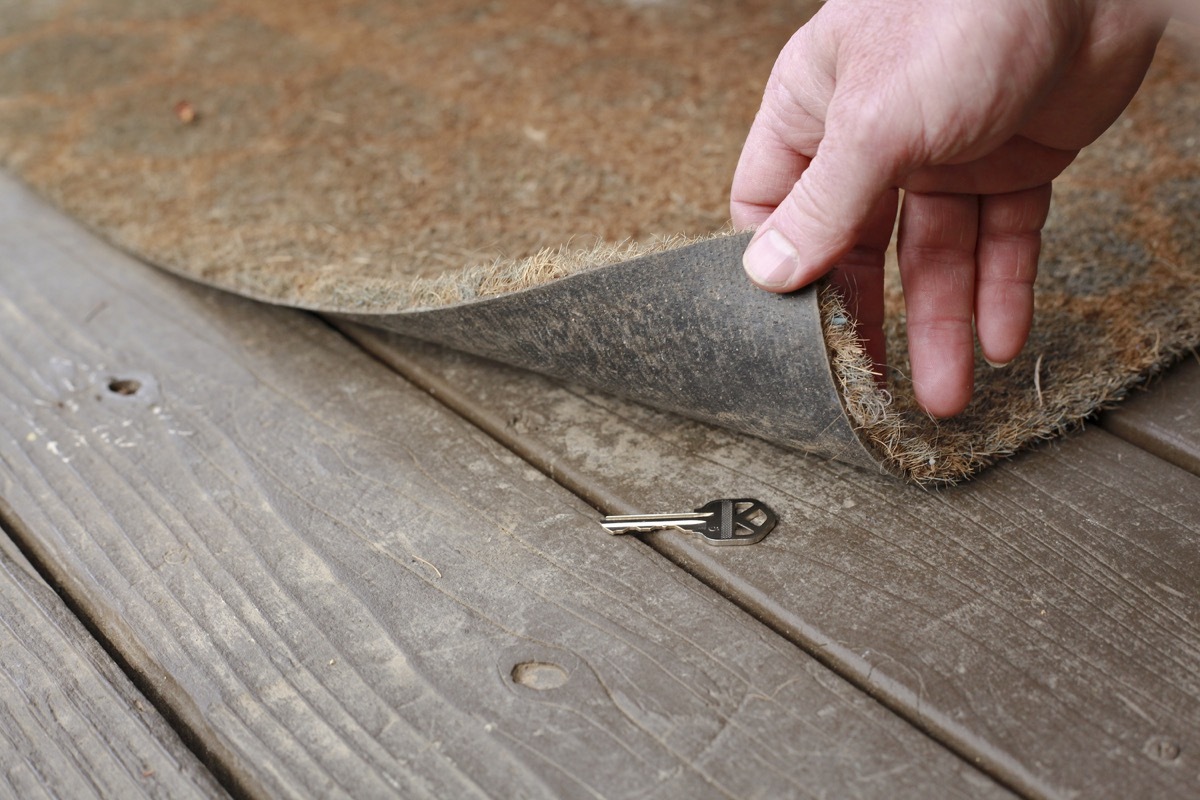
(721, 522)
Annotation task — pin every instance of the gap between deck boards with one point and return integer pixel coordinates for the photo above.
(214, 763)
(252, 548)
(998, 764)
(1165, 421)
(605, 501)
(83, 727)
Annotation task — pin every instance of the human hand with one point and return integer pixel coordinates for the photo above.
(972, 109)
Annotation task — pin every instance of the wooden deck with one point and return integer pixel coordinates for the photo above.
(248, 551)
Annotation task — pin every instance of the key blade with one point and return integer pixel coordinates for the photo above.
(698, 515)
(645, 523)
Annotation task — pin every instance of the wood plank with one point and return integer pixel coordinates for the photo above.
(1042, 620)
(341, 589)
(1165, 419)
(71, 723)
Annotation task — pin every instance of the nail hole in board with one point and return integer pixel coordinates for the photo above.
(124, 386)
(539, 675)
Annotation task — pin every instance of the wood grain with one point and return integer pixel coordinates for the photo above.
(341, 589)
(1041, 620)
(71, 724)
(1165, 419)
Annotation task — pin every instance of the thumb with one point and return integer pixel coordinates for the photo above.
(823, 216)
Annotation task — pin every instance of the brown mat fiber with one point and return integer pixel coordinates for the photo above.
(377, 157)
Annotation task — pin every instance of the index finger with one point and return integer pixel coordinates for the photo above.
(786, 130)
(767, 170)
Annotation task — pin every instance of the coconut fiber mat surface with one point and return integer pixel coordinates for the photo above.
(476, 173)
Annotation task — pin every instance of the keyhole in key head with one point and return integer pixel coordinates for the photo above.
(124, 386)
(756, 519)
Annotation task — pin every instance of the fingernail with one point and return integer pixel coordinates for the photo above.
(996, 364)
(771, 260)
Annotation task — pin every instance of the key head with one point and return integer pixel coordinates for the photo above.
(736, 521)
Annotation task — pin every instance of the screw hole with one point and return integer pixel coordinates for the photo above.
(1163, 749)
(124, 386)
(539, 675)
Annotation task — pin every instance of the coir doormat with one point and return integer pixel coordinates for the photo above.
(546, 183)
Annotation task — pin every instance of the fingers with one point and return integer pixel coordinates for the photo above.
(937, 243)
(859, 277)
(1010, 240)
(787, 130)
(767, 170)
(964, 257)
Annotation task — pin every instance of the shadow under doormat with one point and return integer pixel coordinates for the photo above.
(477, 174)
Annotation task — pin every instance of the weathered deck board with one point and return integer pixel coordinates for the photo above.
(1166, 419)
(1043, 619)
(330, 579)
(71, 724)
